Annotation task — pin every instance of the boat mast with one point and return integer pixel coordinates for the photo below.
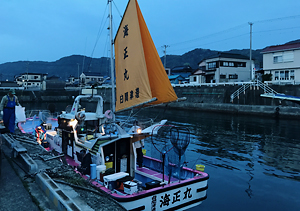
(111, 61)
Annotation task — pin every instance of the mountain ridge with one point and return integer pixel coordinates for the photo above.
(72, 65)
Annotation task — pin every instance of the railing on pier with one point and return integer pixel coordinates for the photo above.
(258, 84)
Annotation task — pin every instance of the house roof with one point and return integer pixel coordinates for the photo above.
(172, 77)
(198, 72)
(226, 55)
(274, 48)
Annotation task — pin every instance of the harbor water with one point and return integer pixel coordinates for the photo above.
(253, 162)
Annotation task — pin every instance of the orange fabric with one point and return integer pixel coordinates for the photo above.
(140, 75)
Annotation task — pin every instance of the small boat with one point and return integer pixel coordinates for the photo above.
(36, 118)
(161, 182)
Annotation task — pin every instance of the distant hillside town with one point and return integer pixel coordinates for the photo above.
(279, 64)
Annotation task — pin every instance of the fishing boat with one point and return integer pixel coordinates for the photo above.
(36, 118)
(159, 183)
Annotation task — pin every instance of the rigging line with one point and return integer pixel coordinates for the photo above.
(209, 35)
(117, 10)
(102, 26)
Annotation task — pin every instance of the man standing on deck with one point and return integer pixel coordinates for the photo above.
(7, 108)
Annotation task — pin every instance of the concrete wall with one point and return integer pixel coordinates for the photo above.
(215, 98)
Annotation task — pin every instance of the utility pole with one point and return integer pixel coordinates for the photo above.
(165, 52)
(250, 23)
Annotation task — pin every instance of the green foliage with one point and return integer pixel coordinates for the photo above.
(266, 77)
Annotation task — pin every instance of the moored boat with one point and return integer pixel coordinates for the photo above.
(158, 183)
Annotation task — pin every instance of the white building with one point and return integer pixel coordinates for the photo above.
(283, 62)
(90, 77)
(224, 67)
(32, 80)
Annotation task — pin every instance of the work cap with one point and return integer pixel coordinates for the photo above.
(12, 91)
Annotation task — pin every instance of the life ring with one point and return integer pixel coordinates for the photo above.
(80, 116)
(108, 114)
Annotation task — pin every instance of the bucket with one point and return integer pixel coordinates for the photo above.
(200, 167)
(93, 171)
(109, 165)
(144, 151)
(100, 169)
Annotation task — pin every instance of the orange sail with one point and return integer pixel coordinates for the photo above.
(140, 76)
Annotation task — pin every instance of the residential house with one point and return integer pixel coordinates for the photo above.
(184, 71)
(176, 79)
(31, 80)
(90, 77)
(55, 83)
(223, 67)
(282, 62)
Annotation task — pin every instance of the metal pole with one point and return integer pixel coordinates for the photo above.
(111, 61)
(250, 50)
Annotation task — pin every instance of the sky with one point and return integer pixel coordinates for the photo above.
(47, 30)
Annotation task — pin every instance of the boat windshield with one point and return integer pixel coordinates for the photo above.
(88, 104)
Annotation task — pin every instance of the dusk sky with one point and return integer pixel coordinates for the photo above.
(47, 30)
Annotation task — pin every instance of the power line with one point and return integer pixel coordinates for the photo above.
(277, 19)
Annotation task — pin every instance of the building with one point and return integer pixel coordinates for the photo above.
(176, 79)
(55, 83)
(223, 67)
(31, 80)
(282, 62)
(90, 77)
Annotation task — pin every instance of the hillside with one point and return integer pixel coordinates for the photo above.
(70, 65)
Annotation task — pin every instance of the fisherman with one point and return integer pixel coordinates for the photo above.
(7, 108)
(139, 152)
(86, 161)
(40, 135)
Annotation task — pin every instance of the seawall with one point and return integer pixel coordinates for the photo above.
(202, 98)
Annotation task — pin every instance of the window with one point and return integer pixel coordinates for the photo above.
(231, 64)
(277, 59)
(235, 76)
(211, 65)
(292, 76)
(286, 75)
(222, 76)
(283, 57)
(195, 78)
(225, 64)
(36, 77)
(276, 75)
(241, 64)
(281, 75)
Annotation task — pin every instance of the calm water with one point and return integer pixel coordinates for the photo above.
(253, 162)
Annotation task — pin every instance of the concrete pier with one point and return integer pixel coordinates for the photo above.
(34, 179)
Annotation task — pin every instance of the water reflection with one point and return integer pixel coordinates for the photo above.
(248, 146)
